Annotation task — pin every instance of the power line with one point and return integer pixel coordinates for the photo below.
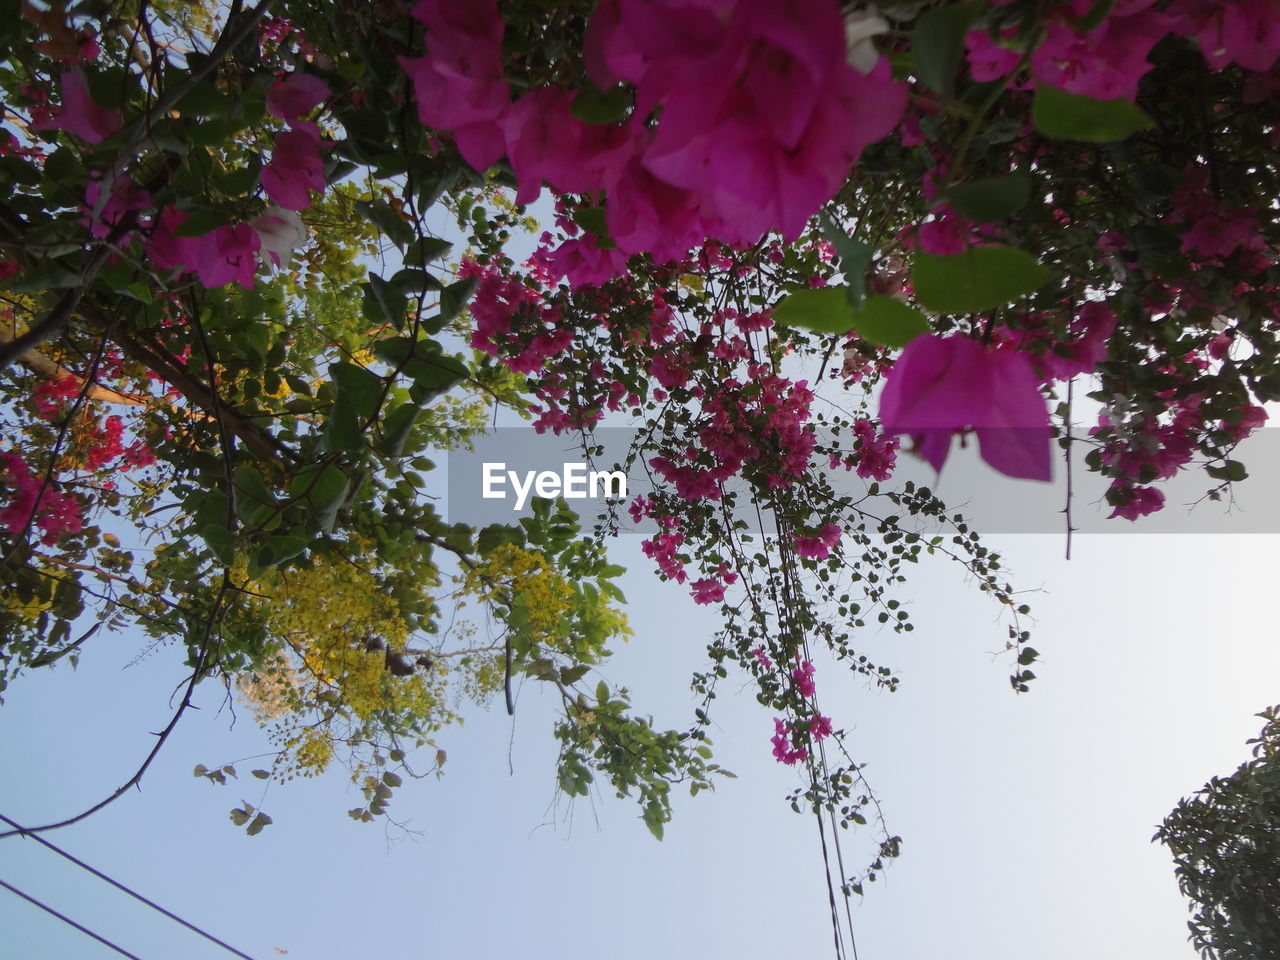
(65, 919)
(122, 888)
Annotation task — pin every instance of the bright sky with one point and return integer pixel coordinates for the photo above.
(1026, 819)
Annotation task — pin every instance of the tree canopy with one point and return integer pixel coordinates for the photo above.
(787, 240)
(1227, 850)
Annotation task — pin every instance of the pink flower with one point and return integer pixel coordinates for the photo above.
(170, 252)
(458, 84)
(820, 727)
(584, 263)
(1132, 502)
(762, 658)
(762, 116)
(803, 677)
(944, 385)
(79, 114)
(545, 141)
(126, 197)
(707, 590)
(296, 167)
(988, 60)
(32, 501)
(1246, 32)
(877, 455)
(226, 254)
(1252, 417)
(1107, 62)
(296, 95)
(782, 750)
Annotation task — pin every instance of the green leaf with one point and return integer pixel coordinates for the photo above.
(1069, 116)
(261, 774)
(383, 303)
(63, 166)
(825, 310)
(201, 222)
(47, 275)
(433, 375)
(592, 105)
(854, 256)
(1028, 655)
(280, 548)
(454, 297)
(362, 388)
(991, 198)
(396, 429)
(571, 675)
(204, 99)
(496, 535)
(342, 433)
(889, 322)
(981, 278)
(425, 250)
(249, 482)
(1232, 471)
(327, 496)
(937, 46)
(260, 821)
(653, 819)
(1094, 17)
(109, 86)
(384, 216)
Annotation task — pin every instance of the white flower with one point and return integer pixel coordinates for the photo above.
(859, 27)
(282, 232)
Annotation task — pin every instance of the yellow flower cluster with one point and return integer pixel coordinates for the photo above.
(336, 628)
(512, 574)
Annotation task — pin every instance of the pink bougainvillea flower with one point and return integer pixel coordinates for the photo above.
(458, 84)
(944, 385)
(296, 95)
(1105, 63)
(296, 167)
(126, 197)
(32, 501)
(820, 727)
(546, 142)
(707, 590)
(988, 60)
(228, 253)
(819, 547)
(803, 677)
(584, 263)
(79, 114)
(1132, 502)
(648, 215)
(1246, 32)
(782, 749)
(170, 252)
(761, 113)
